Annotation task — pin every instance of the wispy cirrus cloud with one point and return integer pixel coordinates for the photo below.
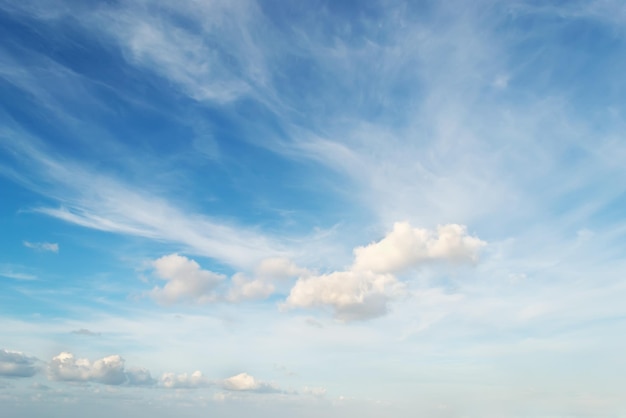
(16, 272)
(52, 247)
(104, 203)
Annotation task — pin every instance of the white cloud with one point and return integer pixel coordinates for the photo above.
(184, 380)
(352, 295)
(364, 291)
(109, 370)
(16, 364)
(42, 246)
(405, 247)
(65, 367)
(246, 382)
(186, 281)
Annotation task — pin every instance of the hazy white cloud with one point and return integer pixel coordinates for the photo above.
(312, 322)
(181, 57)
(278, 268)
(405, 247)
(314, 391)
(17, 364)
(184, 380)
(270, 274)
(246, 382)
(186, 281)
(42, 246)
(139, 377)
(84, 331)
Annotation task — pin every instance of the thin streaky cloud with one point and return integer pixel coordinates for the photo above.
(52, 247)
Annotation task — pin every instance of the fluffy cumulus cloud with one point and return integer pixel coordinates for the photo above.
(184, 380)
(246, 382)
(352, 295)
(186, 281)
(405, 247)
(365, 290)
(108, 370)
(16, 364)
(362, 291)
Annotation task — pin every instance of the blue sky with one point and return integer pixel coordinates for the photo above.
(336, 208)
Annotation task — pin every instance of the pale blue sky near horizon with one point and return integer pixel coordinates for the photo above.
(337, 208)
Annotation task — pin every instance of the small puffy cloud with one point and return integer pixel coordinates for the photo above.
(42, 246)
(65, 367)
(184, 380)
(246, 382)
(405, 247)
(109, 370)
(353, 295)
(17, 364)
(186, 281)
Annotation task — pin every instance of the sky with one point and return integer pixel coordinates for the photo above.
(321, 208)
